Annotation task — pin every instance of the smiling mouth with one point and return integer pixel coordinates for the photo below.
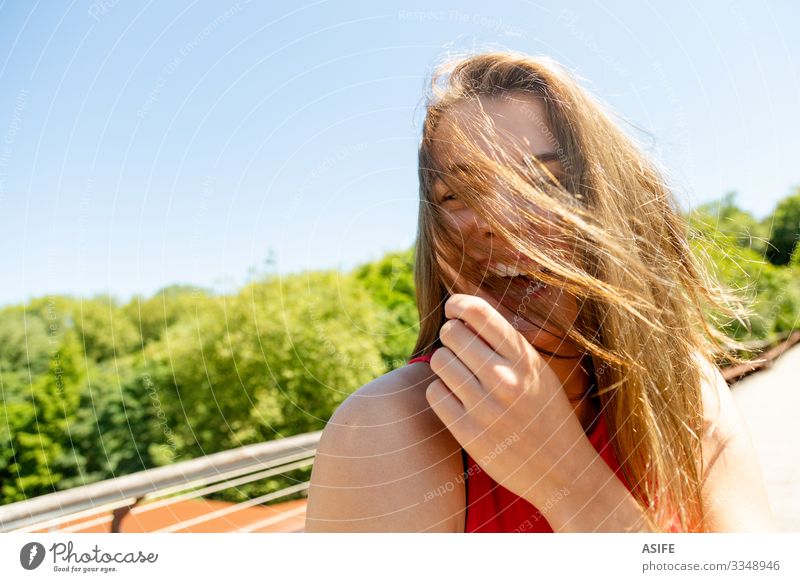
(523, 285)
(503, 270)
(526, 282)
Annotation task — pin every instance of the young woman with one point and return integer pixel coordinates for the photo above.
(562, 379)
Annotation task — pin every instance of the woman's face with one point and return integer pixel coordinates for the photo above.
(517, 119)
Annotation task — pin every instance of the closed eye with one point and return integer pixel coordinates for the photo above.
(450, 196)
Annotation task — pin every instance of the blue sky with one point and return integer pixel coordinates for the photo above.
(145, 144)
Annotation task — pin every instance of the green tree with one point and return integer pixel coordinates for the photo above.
(119, 426)
(784, 229)
(36, 434)
(25, 348)
(274, 360)
(166, 307)
(104, 328)
(795, 260)
(390, 282)
(725, 218)
(772, 292)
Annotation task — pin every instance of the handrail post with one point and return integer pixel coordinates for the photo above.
(121, 512)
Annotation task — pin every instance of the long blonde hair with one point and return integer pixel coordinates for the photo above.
(644, 300)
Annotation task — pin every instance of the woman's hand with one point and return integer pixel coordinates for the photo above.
(504, 404)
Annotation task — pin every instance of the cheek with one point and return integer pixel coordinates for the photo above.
(457, 220)
(451, 279)
(567, 306)
(547, 233)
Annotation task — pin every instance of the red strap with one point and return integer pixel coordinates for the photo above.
(422, 358)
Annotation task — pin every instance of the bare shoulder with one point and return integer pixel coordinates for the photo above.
(734, 492)
(381, 455)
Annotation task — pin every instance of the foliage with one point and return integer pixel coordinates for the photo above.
(34, 435)
(723, 238)
(736, 226)
(166, 307)
(784, 228)
(93, 389)
(390, 282)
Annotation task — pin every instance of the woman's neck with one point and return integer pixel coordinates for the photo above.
(576, 381)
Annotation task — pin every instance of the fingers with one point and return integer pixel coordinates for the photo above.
(444, 403)
(477, 310)
(470, 348)
(457, 377)
(497, 333)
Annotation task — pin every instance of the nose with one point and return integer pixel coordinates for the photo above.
(481, 228)
(471, 224)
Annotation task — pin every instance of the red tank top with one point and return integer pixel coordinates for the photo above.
(491, 508)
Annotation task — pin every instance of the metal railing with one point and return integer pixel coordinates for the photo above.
(112, 499)
(768, 352)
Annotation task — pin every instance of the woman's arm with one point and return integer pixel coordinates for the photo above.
(595, 501)
(386, 463)
(734, 492)
(734, 495)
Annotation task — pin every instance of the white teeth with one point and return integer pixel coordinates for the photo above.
(535, 288)
(505, 271)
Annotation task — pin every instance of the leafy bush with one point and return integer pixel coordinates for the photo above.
(93, 389)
